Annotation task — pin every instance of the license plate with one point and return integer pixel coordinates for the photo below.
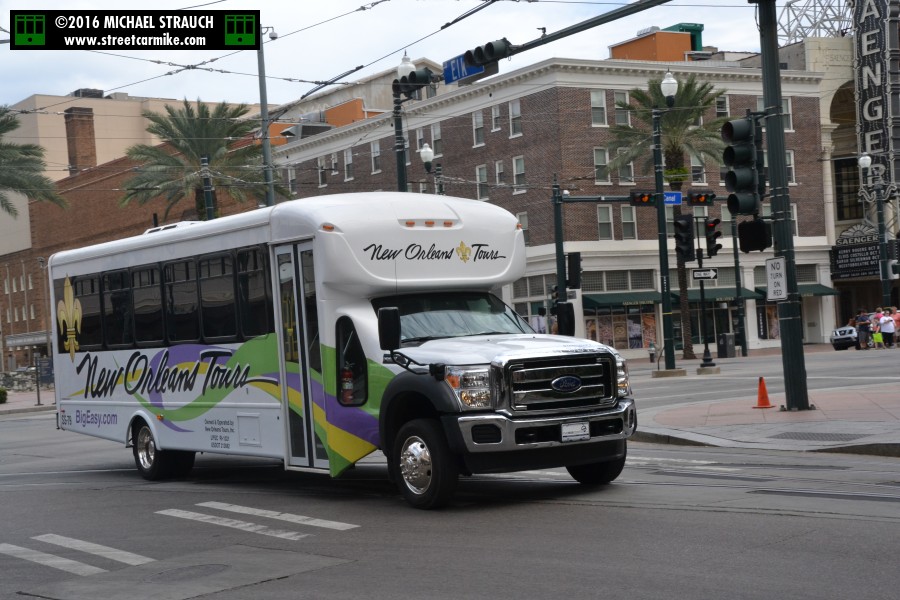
(576, 432)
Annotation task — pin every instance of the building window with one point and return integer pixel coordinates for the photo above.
(601, 170)
(766, 211)
(598, 108)
(788, 163)
(420, 138)
(626, 171)
(604, 222)
(722, 110)
(320, 164)
(348, 164)
(376, 157)
(423, 187)
(623, 116)
(787, 119)
(670, 220)
(515, 118)
(519, 175)
(846, 188)
(629, 225)
(437, 144)
(698, 170)
(478, 128)
(495, 117)
(292, 180)
(334, 164)
(481, 190)
(523, 221)
(499, 176)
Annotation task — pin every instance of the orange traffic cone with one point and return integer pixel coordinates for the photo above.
(762, 396)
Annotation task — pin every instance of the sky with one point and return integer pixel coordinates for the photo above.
(321, 39)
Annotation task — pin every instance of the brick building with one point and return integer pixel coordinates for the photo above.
(505, 139)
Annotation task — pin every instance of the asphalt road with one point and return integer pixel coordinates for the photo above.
(79, 523)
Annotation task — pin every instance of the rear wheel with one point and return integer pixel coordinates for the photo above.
(425, 469)
(599, 473)
(152, 463)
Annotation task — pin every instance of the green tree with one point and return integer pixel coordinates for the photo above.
(21, 166)
(681, 137)
(172, 171)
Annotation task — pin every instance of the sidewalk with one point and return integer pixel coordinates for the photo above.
(25, 402)
(858, 420)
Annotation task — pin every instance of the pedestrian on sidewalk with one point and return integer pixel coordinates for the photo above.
(896, 314)
(888, 328)
(863, 328)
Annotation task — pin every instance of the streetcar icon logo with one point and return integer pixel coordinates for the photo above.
(240, 30)
(30, 30)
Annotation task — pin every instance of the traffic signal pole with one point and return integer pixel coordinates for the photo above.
(789, 317)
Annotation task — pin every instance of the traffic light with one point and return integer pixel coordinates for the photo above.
(489, 53)
(743, 155)
(712, 237)
(701, 198)
(554, 295)
(684, 237)
(573, 281)
(754, 235)
(642, 199)
(410, 84)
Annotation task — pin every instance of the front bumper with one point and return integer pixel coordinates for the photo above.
(496, 442)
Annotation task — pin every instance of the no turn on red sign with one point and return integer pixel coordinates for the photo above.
(776, 278)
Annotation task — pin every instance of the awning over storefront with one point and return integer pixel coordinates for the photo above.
(720, 294)
(806, 290)
(592, 301)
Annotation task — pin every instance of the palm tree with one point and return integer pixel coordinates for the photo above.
(681, 136)
(21, 166)
(172, 171)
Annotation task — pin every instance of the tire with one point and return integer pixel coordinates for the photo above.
(599, 473)
(153, 464)
(425, 470)
(183, 462)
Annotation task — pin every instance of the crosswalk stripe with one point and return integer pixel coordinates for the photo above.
(50, 560)
(233, 523)
(271, 514)
(105, 551)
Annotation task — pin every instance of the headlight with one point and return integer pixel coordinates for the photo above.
(622, 381)
(472, 386)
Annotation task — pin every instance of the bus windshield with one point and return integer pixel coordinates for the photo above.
(430, 316)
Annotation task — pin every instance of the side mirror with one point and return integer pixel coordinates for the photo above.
(389, 328)
(565, 318)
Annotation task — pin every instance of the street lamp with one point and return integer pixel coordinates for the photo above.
(668, 87)
(427, 156)
(403, 70)
(865, 162)
(264, 115)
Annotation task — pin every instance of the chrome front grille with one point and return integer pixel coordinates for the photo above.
(527, 386)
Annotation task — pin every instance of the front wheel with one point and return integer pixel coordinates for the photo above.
(427, 472)
(598, 473)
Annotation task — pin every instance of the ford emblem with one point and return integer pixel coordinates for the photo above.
(566, 383)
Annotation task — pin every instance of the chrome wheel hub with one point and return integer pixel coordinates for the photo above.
(415, 465)
(146, 449)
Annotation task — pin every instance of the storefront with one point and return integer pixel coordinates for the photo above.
(623, 320)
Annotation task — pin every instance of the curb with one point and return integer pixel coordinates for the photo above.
(28, 409)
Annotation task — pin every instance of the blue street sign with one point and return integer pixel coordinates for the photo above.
(673, 198)
(456, 69)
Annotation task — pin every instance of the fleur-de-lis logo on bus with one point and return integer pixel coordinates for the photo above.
(463, 251)
(68, 313)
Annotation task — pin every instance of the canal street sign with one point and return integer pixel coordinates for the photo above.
(672, 198)
(704, 274)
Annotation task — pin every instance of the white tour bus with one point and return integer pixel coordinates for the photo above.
(320, 330)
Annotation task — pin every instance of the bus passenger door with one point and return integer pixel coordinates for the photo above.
(303, 396)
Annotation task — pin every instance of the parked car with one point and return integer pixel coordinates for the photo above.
(844, 337)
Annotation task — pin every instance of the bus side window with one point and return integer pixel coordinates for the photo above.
(87, 291)
(217, 301)
(117, 323)
(255, 298)
(182, 305)
(352, 370)
(146, 290)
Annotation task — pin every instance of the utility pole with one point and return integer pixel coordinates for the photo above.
(789, 317)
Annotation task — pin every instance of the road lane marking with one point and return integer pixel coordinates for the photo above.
(105, 551)
(271, 514)
(50, 560)
(233, 523)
